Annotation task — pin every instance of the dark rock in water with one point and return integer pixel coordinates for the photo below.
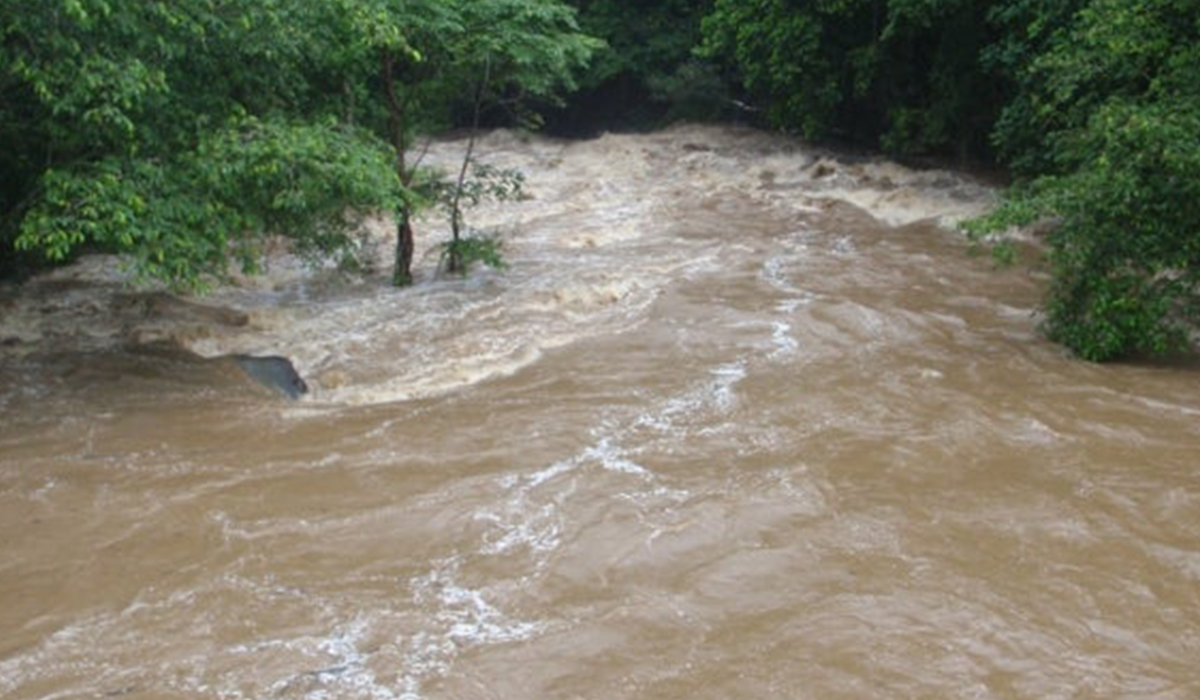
(274, 372)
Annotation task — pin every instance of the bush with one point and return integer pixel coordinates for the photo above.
(1118, 103)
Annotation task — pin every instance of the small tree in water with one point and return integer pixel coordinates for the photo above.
(485, 183)
(427, 51)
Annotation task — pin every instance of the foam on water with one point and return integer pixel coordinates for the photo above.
(464, 618)
(528, 523)
(590, 249)
(719, 512)
(530, 520)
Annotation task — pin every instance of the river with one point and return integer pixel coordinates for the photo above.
(740, 420)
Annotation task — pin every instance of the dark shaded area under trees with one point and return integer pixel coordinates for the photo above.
(648, 75)
(184, 134)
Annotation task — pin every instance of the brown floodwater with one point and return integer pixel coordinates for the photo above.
(740, 420)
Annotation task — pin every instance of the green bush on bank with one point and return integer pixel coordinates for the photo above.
(1117, 98)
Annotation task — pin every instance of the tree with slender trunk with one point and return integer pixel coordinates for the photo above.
(430, 52)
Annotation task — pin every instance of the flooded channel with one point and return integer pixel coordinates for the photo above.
(740, 420)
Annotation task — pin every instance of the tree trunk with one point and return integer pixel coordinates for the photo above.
(397, 112)
(456, 263)
(402, 274)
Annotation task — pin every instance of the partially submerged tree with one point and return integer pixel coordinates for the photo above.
(431, 53)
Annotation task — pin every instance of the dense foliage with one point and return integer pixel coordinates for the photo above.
(1115, 103)
(184, 134)
(178, 133)
(905, 74)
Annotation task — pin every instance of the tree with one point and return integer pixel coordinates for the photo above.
(428, 52)
(180, 134)
(1025, 30)
(648, 74)
(185, 134)
(1117, 102)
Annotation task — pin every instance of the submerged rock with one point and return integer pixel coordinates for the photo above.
(274, 372)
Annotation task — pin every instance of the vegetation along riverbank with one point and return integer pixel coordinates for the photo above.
(188, 136)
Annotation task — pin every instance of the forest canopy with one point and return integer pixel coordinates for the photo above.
(183, 134)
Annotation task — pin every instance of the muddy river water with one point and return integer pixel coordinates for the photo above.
(741, 420)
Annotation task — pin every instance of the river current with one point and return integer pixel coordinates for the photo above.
(741, 420)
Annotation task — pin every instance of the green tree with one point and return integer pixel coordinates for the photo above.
(1025, 29)
(184, 134)
(423, 55)
(180, 134)
(1116, 99)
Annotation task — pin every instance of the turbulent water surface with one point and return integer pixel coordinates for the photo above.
(741, 420)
